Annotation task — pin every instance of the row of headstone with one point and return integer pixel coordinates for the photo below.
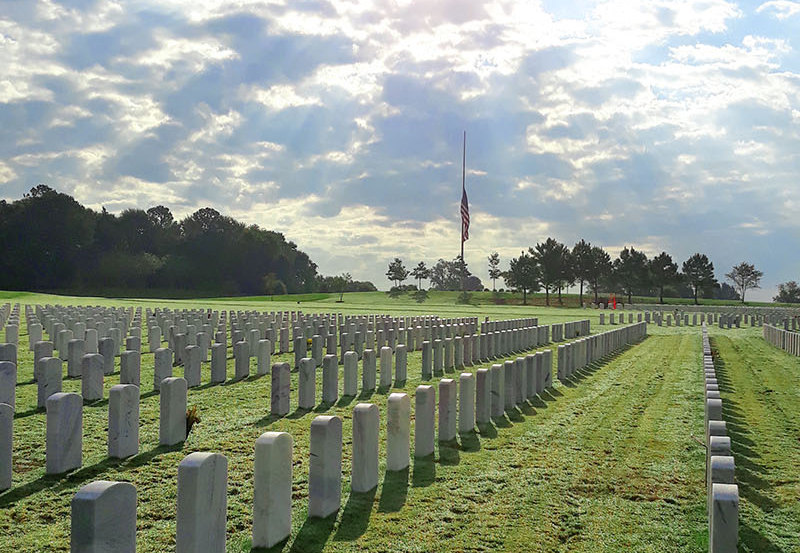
(782, 338)
(722, 491)
(583, 352)
(619, 318)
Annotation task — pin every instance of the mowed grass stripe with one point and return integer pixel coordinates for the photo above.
(760, 387)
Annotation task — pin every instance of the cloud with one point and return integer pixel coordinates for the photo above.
(667, 126)
(780, 9)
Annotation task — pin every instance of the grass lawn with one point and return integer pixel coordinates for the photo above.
(606, 462)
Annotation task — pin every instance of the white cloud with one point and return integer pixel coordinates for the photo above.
(780, 9)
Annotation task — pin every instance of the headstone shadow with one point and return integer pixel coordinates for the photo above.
(487, 430)
(470, 441)
(423, 471)
(394, 490)
(313, 535)
(448, 453)
(355, 517)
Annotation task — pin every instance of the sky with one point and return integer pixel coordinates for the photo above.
(663, 125)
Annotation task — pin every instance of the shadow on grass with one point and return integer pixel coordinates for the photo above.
(753, 540)
(355, 517)
(487, 430)
(29, 412)
(344, 401)
(515, 415)
(394, 490)
(268, 420)
(470, 441)
(59, 482)
(424, 471)
(448, 453)
(501, 422)
(366, 394)
(313, 535)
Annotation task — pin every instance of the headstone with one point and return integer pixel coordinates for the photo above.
(325, 466)
(330, 379)
(34, 334)
(92, 377)
(130, 367)
(368, 371)
(106, 349)
(6, 445)
(386, 367)
(272, 489)
(162, 366)
(510, 385)
(191, 365)
(172, 424)
(366, 429)
(466, 402)
(241, 356)
(64, 432)
(123, 421)
(279, 396)
(498, 390)
(483, 398)
(724, 524)
(398, 420)
(40, 351)
(8, 383)
(447, 410)
(400, 367)
(75, 352)
(219, 362)
(264, 354)
(49, 371)
(202, 503)
(307, 384)
(427, 360)
(350, 374)
(104, 518)
(424, 419)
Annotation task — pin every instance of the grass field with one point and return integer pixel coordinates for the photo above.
(607, 462)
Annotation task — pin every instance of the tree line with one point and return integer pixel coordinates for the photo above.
(551, 266)
(50, 242)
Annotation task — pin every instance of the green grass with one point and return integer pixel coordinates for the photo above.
(604, 463)
(760, 387)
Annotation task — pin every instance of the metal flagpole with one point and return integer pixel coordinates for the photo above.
(463, 189)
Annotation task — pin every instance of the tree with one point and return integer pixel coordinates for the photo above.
(340, 284)
(523, 274)
(744, 276)
(494, 268)
(630, 270)
(567, 273)
(663, 272)
(582, 264)
(788, 292)
(699, 274)
(551, 257)
(397, 272)
(599, 268)
(726, 292)
(421, 272)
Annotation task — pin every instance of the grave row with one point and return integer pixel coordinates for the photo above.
(766, 313)
(722, 491)
(202, 477)
(581, 353)
(783, 338)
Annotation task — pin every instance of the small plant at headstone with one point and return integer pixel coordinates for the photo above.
(191, 418)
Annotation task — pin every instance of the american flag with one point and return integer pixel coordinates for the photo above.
(464, 215)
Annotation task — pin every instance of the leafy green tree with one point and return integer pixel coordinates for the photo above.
(397, 272)
(494, 268)
(567, 276)
(698, 272)
(630, 270)
(663, 272)
(744, 276)
(600, 267)
(523, 274)
(340, 284)
(550, 256)
(582, 264)
(421, 272)
(788, 292)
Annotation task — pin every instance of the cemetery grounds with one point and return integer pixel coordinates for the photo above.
(611, 461)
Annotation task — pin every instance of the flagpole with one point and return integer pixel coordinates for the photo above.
(463, 187)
